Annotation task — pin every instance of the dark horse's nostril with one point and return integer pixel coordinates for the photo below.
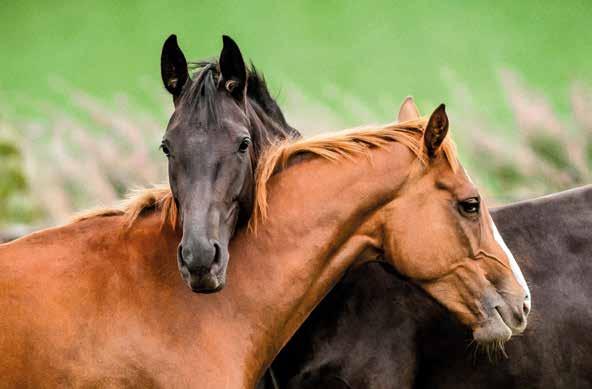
(217, 253)
(180, 252)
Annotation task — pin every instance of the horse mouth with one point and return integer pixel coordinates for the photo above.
(206, 283)
(203, 283)
(207, 290)
(500, 316)
(516, 328)
(493, 330)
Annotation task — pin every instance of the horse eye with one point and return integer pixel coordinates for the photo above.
(470, 206)
(165, 150)
(244, 145)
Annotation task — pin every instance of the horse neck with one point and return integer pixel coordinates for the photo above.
(322, 218)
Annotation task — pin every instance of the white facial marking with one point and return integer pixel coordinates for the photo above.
(513, 264)
(469, 177)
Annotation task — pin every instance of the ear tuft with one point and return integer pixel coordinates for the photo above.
(436, 130)
(408, 110)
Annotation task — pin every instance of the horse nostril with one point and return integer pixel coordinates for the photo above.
(526, 308)
(217, 253)
(185, 256)
(180, 253)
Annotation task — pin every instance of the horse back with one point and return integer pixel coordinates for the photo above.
(54, 286)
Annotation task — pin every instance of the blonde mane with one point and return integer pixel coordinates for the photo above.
(342, 145)
(333, 146)
(157, 198)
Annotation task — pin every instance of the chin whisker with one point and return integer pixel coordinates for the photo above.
(503, 349)
(495, 351)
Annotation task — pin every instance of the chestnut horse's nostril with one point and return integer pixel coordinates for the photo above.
(526, 308)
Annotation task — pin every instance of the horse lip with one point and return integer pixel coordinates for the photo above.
(514, 330)
(493, 329)
(499, 315)
(208, 291)
(215, 282)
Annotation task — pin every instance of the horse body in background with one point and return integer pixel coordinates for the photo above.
(376, 330)
(98, 302)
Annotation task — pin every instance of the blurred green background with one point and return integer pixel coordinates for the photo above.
(81, 99)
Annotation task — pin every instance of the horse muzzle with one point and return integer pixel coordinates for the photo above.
(200, 276)
(505, 318)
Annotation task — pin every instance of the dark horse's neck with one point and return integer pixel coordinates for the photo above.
(258, 93)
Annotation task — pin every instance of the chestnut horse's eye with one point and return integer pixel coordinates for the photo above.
(244, 145)
(470, 206)
(165, 150)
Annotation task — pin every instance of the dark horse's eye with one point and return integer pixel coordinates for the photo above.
(470, 206)
(244, 145)
(165, 150)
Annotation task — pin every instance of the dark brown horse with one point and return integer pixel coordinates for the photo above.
(224, 118)
(98, 302)
(376, 330)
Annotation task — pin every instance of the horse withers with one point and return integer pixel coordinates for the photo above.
(223, 120)
(119, 316)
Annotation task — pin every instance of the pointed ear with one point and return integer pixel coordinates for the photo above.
(408, 110)
(436, 130)
(173, 66)
(233, 69)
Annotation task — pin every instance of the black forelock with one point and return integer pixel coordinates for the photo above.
(198, 100)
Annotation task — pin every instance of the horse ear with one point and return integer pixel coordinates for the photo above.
(436, 130)
(233, 69)
(408, 110)
(173, 66)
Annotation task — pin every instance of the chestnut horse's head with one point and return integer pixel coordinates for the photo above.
(212, 142)
(440, 234)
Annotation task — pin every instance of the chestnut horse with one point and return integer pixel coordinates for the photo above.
(98, 303)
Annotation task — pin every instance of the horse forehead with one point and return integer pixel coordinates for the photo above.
(196, 130)
(456, 182)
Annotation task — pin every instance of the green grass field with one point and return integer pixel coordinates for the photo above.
(353, 61)
(375, 50)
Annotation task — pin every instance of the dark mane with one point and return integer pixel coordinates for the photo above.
(258, 91)
(199, 94)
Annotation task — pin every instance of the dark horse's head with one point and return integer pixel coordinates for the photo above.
(223, 118)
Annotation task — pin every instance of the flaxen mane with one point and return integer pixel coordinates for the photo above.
(159, 198)
(333, 146)
(341, 145)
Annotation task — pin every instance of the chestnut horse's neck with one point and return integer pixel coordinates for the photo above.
(320, 222)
